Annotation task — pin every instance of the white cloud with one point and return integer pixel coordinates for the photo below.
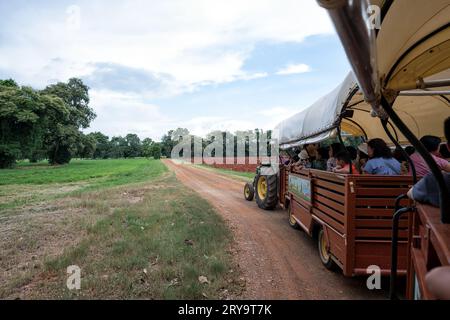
(195, 42)
(294, 69)
(190, 43)
(277, 114)
(121, 113)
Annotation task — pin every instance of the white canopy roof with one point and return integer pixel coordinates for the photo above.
(316, 122)
(413, 41)
(424, 115)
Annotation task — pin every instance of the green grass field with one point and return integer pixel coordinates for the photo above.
(30, 183)
(130, 226)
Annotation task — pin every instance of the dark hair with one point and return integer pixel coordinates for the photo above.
(323, 152)
(410, 150)
(380, 148)
(447, 129)
(352, 152)
(443, 150)
(431, 143)
(344, 156)
(335, 148)
(362, 155)
(398, 155)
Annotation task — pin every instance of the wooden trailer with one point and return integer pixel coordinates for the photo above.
(430, 249)
(394, 61)
(351, 215)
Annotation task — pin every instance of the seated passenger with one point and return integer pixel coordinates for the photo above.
(308, 155)
(431, 143)
(410, 150)
(285, 158)
(399, 156)
(381, 161)
(343, 164)
(321, 160)
(334, 149)
(444, 151)
(427, 189)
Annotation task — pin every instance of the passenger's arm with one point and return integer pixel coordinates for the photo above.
(446, 168)
(410, 193)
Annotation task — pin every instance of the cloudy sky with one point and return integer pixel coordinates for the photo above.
(157, 65)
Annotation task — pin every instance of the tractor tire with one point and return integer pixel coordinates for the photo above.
(292, 222)
(266, 191)
(249, 191)
(324, 252)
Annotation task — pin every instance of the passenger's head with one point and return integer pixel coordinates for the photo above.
(399, 155)
(334, 149)
(377, 148)
(352, 152)
(322, 153)
(311, 147)
(431, 143)
(343, 158)
(444, 151)
(447, 131)
(410, 150)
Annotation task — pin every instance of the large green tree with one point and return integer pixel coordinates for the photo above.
(102, 145)
(147, 145)
(133, 148)
(65, 133)
(26, 116)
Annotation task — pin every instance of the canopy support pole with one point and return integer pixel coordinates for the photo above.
(344, 148)
(444, 193)
(398, 146)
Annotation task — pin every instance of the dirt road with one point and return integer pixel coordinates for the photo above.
(278, 262)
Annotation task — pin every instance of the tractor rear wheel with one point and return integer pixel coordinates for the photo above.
(249, 191)
(266, 191)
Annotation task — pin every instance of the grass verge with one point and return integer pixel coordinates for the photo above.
(147, 240)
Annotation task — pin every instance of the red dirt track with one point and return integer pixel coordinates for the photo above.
(277, 261)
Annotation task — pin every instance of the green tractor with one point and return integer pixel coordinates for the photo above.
(264, 187)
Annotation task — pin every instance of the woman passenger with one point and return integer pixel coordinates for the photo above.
(344, 162)
(321, 160)
(333, 151)
(381, 161)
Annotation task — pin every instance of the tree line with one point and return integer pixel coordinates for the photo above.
(48, 124)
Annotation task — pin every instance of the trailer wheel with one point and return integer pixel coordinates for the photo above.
(266, 191)
(292, 222)
(324, 252)
(249, 191)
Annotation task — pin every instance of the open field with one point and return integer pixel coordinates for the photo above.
(130, 226)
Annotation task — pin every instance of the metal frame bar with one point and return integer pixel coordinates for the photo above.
(394, 245)
(339, 134)
(409, 93)
(421, 84)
